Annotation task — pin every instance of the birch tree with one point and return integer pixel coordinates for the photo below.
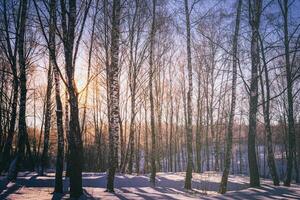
(223, 186)
(69, 23)
(113, 90)
(23, 135)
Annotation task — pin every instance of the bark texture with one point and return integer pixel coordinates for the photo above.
(114, 87)
(152, 117)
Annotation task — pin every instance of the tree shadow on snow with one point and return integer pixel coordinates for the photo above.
(142, 187)
(7, 187)
(122, 182)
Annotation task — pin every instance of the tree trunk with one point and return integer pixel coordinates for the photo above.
(12, 175)
(75, 147)
(67, 131)
(223, 186)
(171, 138)
(151, 72)
(254, 12)
(44, 158)
(199, 126)
(266, 113)
(189, 134)
(146, 144)
(207, 126)
(240, 145)
(132, 86)
(58, 188)
(288, 67)
(113, 76)
(60, 137)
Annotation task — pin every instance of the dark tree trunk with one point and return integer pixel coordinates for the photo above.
(67, 131)
(58, 188)
(60, 137)
(12, 123)
(6, 154)
(254, 12)
(189, 134)
(75, 155)
(289, 79)
(12, 175)
(266, 113)
(152, 118)
(199, 126)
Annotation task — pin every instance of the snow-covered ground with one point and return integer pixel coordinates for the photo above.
(169, 186)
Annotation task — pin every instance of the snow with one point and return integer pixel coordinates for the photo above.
(169, 186)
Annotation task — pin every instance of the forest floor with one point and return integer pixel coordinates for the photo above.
(30, 186)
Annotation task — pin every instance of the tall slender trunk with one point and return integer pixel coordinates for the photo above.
(58, 188)
(146, 144)
(176, 152)
(60, 137)
(12, 175)
(207, 126)
(34, 124)
(240, 145)
(289, 80)
(189, 136)
(254, 13)
(138, 143)
(132, 124)
(171, 138)
(219, 122)
(124, 154)
(67, 131)
(113, 75)
(151, 73)
(75, 146)
(199, 126)
(266, 113)
(132, 86)
(223, 186)
(44, 158)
